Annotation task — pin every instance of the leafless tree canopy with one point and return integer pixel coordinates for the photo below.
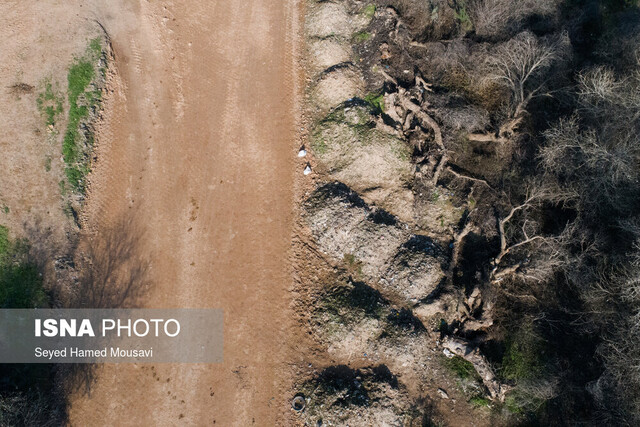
(521, 64)
(596, 153)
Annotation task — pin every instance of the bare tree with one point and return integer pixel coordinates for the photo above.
(549, 251)
(522, 66)
(614, 303)
(596, 166)
(595, 154)
(598, 85)
(601, 92)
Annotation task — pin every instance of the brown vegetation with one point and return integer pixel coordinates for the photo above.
(523, 114)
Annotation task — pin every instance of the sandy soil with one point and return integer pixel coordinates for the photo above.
(198, 147)
(30, 153)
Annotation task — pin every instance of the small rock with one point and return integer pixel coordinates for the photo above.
(443, 394)
(384, 51)
(307, 169)
(298, 403)
(302, 152)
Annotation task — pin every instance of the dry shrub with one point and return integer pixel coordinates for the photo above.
(21, 89)
(31, 409)
(457, 80)
(490, 95)
(499, 19)
(428, 20)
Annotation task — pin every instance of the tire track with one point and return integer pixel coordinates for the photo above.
(199, 151)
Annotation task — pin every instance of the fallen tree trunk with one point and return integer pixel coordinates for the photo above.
(472, 355)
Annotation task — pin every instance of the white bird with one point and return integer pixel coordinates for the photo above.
(307, 170)
(302, 152)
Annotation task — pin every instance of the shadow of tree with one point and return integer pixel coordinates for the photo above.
(111, 273)
(103, 270)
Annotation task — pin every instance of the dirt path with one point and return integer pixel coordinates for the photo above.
(198, 147)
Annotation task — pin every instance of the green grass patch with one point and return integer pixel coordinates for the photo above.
(401, 152)
(512, 404)
(376, 100)
(81, 100)
(358, 120)
(348, 128)
(472, 203)
(522, 402)
(349, 303)
(369, 11)
(461, 367)
(463, 16)
(353, 265)
(80, 75)
(361, 36)
(95, 46)
(523, 357)
(480, 402)
(20, 281)
(21, 287)
(4, 241)
(319, 145)
(50, 104)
